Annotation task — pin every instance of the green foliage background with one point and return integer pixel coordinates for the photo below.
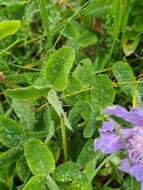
(61, 63)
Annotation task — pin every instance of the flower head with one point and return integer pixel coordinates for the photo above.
(108, 142)
(114, 138)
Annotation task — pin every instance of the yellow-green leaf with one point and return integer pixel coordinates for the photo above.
(103, 93)
(9, 27)
(11, 133)
(9, 156)
(67, 172)
(84, 72)
(35, 183)
(22, 168)
(124, 75)
(59, 66)
(26, 93)
(57, 105)
(39, 158)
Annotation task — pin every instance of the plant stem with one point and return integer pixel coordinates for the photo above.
(64, 140)
(102, 164)
(132, 183)
(134, 94)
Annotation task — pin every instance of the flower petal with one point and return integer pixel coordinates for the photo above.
(137, 171)
(125, 165)
(142, 185)
(108, 144)
(106, 127)
(134, 116)
(116, 110)
(139, 111)
(128, 132)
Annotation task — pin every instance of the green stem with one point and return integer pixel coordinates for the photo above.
(134, 101)
(102, 164)
(64, 140)
(132, 183)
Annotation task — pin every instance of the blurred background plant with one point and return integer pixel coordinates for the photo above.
(61, 63)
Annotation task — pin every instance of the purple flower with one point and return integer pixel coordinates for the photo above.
(134, 117)
(113, 138)
(108, 142)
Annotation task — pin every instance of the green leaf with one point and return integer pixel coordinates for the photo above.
(72, 30)
(51, 132)
(25, 113)
(108, 188)
(86, 154)
(91, 125)
(59, 66)
(67, 172)
(90, 169)
(140, 86)
(79, 35)
(39, 157)
(22, 168)
(130, 47)
(13, 2)
(35, 183)
(47, 118)
(74, 113)
(9, 156)
(57, 105)
(115, 160)
(118, 13)
(51, 183)
(84, 73)
(3, 185)
(87, 38)
(103, 93)
(74, 92)
(26, 93)
(139, 92)
(124, 75)
(127, 184)
(88, 107)
(80, 183)
(55, 149)
(11, 133)
(9, 27)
